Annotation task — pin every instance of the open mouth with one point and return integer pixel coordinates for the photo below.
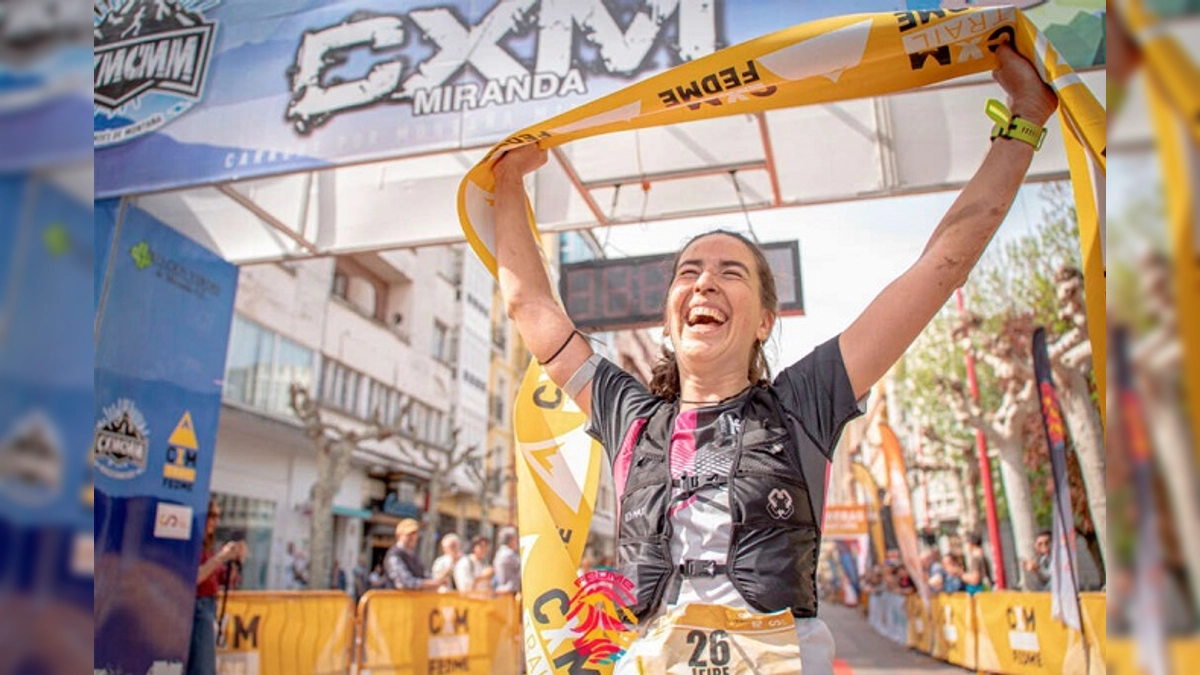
(705, 316)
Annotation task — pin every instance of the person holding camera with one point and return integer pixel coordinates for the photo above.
(217, 569)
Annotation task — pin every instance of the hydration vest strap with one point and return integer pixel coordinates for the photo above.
(692, 484)
(701, 568)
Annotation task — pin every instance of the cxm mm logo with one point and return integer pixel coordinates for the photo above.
(149, 64)
(779, 504)
(519, 50)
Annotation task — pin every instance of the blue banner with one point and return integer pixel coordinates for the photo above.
(211, 91)
(46, 563)
(159, 360)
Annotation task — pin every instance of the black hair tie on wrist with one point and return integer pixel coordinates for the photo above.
(553, 356)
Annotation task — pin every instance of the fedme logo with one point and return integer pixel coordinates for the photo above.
(474, 65)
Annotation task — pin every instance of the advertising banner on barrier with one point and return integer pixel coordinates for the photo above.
(920, 626)
(418, 633)
(215, 90)
(1095, 626)
(286, 633)
(1017, 635)
(952, 616)
(162, 327)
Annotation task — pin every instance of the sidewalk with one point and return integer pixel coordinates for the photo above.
(860, 651)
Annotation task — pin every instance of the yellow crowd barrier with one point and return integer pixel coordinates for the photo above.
(920, 635)
(1095, 625)
(429, 633)
(1009, 633)
(953, 629)
(286, 633)
(1017, 635)
(1122, 656)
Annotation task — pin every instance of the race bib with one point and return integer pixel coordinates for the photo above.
(699, 639)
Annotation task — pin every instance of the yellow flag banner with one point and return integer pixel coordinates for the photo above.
(1173, 71)
(569, 622)
(874, 517)
(1180, 160)
(902, 515)
(833, 59)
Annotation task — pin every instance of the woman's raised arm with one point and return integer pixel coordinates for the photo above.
(529, 299)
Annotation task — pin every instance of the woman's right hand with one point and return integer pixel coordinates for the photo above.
(517, 163)
(233, 550)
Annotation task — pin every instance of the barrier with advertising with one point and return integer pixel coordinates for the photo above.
(888, 615)
(1016, 635)
(1122, 656)
(286, 633)
(418, 633)
(1008, 632)
(953, 629)
(920, 627)
(1095, 624)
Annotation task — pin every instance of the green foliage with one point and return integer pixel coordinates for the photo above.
(1015, 277)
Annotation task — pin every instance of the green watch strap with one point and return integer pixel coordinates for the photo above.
(1014, 127)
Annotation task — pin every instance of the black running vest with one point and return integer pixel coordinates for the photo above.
(775, 537)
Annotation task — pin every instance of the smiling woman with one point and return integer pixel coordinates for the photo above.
(719, 469)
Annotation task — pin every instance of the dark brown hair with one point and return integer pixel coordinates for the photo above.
(664, 381)
(209, 537)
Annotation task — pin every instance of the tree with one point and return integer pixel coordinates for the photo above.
(335, 446)
(1030, 280)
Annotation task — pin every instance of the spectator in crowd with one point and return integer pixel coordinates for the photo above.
(508, 561)
(978, 576)
(218, 569)
(402, 567)
(952, 571)
(872, 581)
(935, 573)
(358, 577)
(1037, 571)
(471, 572)
(377, 579)
(297, 568)
(451, 553)
(904, 582)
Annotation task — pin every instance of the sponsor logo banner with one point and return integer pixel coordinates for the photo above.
(149, 64)
(173, 521)
(844, 521)
(203, 91)
(121, 441)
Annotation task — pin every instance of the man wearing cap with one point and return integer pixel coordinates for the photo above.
(401, 566)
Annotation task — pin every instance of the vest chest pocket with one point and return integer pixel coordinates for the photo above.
(648, 488)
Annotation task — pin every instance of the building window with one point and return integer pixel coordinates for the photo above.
(251, 520)
(261, 367)
(341, 283)
(441, 342)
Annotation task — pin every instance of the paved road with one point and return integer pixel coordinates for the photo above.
(860, 651)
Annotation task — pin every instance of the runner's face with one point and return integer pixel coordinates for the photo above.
(714, 307)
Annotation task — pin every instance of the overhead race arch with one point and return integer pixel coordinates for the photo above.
(834, 59)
